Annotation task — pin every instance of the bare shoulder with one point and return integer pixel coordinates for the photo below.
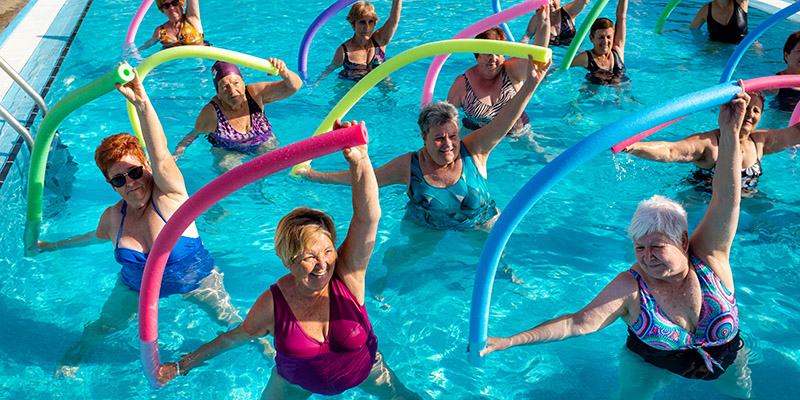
(260, 320)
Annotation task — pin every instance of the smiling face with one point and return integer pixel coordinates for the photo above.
(442, 143)
(793, 57)
(602, 39)
(231, 89)
(752, 116)
(313, 267)
(659, 257)
(135, 192)
(365, 26)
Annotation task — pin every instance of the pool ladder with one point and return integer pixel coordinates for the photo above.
(6, 115)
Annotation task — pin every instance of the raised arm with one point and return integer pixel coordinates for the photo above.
(395, 172)
(538, 27)
(691, 149)
(573, 8)
(166, 175)
(193, 15)
(482, 141)
(712, 238)
(616, 300)
(384, 35)
(620, 28)
(268, 92)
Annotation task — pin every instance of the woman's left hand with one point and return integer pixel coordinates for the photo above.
(352, 154)
(731, 115)
(537, 70)
(278, 64)
(134, 90)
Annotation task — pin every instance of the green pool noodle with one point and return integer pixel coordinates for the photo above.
(581, 34)
(540, 54)
(212, 53)
(121, 74)
(665, 14)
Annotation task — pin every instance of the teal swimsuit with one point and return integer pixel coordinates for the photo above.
(703, 354)
(463, 205)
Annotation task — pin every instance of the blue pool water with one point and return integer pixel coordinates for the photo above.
(566, 249)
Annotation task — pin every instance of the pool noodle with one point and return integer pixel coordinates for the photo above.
(763, 83)
(47, 130)
(470, 31)
(751, 37)
(174, 53)
(204, 198)
(497, 9)
(570, 159)
(581, 34)
(665, 14)
(361, 87)
(137, 19)
(305, 44)
(795, 115)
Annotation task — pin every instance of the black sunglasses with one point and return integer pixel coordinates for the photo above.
(175, 3)
(119, 180)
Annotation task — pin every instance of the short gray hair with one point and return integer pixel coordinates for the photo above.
(436, 113)
(659, 214)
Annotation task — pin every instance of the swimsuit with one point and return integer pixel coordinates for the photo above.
(704, 176)
(479, 113)
(567, 32)
(703, 354)
(355, 72)
(228, 138)
(342, 361)
(187, 36)
(188, 263)
(601, 76)
(463, 205)
(734, 31)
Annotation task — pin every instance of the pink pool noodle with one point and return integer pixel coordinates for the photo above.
(471, 31)
(763, 83)
(137, 19)
(208, 195)
(795, 115)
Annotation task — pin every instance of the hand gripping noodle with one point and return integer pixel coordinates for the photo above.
(581, 34)
(497, 9)
(137, 19)
(302, 58)
(470, 31)
(212, 53)
(358, 90)
(665, 14)
(204, 198)
(121, 74)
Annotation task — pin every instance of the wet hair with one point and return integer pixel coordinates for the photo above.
(659, 214)
(436, 113)
(159, 3)
(114, 148)
(600, 23)
(495, 33)
(298, 229)
(791, 41)
(359, 10)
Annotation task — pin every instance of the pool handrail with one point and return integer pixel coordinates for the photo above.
(5, 115)
(23, 84)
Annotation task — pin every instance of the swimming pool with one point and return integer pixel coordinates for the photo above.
(569, 246)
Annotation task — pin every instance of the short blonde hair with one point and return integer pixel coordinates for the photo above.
(359, 10)
(298, 229)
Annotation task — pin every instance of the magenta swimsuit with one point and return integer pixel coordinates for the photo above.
(228, 138)
(343, 361)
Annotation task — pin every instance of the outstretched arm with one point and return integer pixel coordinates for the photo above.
(268, 92)
(777, 140)
(86, 239)
(395, 172)
(712, 238)
(336, 63)
(384, 35)
(690, 149)
(614, 301)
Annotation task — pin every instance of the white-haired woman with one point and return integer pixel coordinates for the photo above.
(678, 298)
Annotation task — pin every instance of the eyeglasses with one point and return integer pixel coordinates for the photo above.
(119, 180)
(165, 6)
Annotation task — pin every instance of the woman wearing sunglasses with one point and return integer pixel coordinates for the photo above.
(151, 192)
(181, 28)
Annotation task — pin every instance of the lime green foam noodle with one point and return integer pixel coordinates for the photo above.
(212, 53)
(84, 94)
(665, 14)
(581, 34)
(344, 105)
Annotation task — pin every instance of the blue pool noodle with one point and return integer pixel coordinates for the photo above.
(727, 73)
(553, 172)
(302, 58)
(497, 9)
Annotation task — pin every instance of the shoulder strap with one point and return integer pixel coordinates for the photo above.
(121, 211)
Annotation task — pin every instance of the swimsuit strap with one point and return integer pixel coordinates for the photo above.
(124, 211)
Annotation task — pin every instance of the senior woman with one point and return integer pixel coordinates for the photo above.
(484, 89)
(234, 119)
(726, 20)
(557, 21)
(446, 178)
(182, 28)
(606, 60)
(703, 149)
(316, 312)
(367, 48)
(678, 298)
(150, 191)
